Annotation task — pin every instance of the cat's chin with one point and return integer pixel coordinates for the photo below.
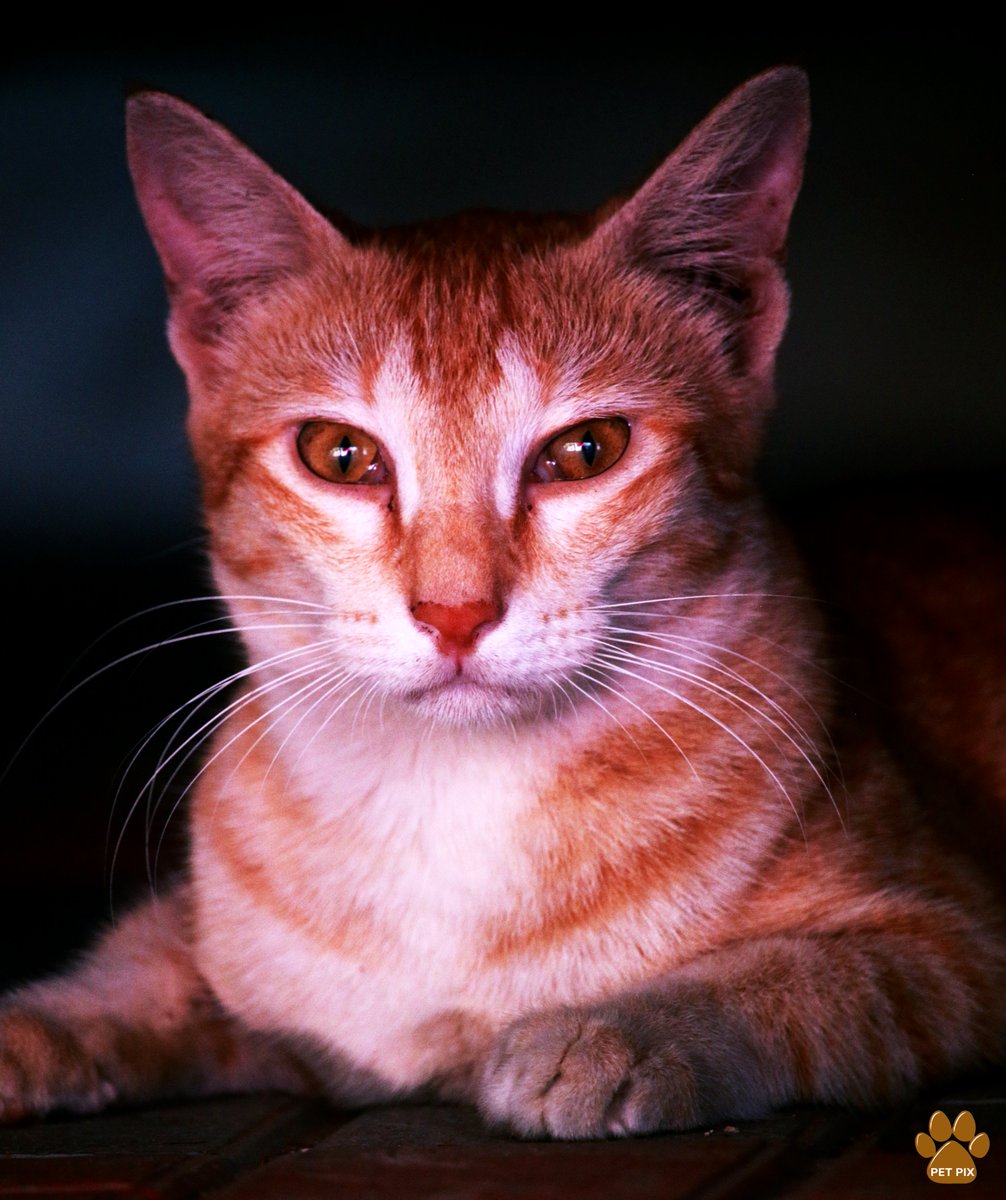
(465, 705)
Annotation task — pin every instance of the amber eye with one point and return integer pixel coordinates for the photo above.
(340, 453)
(582, 450)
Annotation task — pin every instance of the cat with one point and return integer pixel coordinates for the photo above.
(539, 793)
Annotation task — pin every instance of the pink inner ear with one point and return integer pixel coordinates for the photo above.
(737, 175)
(779, 187)
(713, 218)
(224, 224)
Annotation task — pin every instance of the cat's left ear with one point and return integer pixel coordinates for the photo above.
(711, 222)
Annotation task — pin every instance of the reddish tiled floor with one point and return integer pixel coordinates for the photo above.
(277, 1148)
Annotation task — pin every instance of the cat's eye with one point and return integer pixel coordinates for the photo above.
(340, 453)
(582, 451)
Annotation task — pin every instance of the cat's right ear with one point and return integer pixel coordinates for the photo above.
(225, 225)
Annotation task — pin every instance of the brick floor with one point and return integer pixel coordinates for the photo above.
(279, 1148)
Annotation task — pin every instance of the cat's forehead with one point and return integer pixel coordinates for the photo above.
(487, 315)
(458, 293)
(508, 399)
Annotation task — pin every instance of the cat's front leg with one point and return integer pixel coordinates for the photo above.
(132, 1021)
(858, 1018)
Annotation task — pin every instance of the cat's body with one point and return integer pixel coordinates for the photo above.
(541, 794)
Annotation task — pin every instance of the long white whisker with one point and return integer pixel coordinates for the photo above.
(337, 675)
(613, 665)
(597, 681)
(195, 740)
(195, 703)
(625, 604)
(210, 726)
(363, 707)
(653, 721)
(328, 716)
(732, 698)
(283, 601)
(285, 703)
(124, 658)
(594, 700)
(805, 660)
(202, 736)
(822, 724)
(679, 639)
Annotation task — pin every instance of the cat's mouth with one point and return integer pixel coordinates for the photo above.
(461, 699)
(458, 684)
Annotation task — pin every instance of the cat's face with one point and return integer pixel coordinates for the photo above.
(459, 488)
(448, 452)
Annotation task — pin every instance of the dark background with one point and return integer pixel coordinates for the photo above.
(891, 368)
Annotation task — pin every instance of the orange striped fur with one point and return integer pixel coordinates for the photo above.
(540, 793)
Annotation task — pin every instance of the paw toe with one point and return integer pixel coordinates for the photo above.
(594, 1070)
(557, 1074)
(658, 1093)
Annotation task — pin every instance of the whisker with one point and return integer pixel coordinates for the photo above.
(272, 712)
(806, 660)
(653, 721)
(212, 598)
(705, 661)
(693, 641)
(594, 700)
(247, 698)
(196, 739)
(373, 690)
(624, 604)
(194, 703)
(822, 724)
(328, 716)
(209, 727)
(335, 674)
(123, 658)
(697, 708)
(737, 702)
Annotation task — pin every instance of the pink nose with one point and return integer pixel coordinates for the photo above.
(456, 625)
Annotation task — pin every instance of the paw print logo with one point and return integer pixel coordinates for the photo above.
(952, 1162)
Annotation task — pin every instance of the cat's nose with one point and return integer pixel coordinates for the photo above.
(456, 625)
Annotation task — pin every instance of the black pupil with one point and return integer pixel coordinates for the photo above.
(588, 448)
(344, 453)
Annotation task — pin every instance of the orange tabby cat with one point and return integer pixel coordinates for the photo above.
(529, 798)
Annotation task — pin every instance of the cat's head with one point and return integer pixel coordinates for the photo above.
(450, 446)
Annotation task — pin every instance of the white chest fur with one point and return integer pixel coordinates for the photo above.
(358, 894)
(349, 907)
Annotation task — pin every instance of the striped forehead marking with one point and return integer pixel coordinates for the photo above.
(400, 407)
(469, 450)
(455, 450)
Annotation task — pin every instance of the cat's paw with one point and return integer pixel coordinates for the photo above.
(43, 1066)
(581, 1073)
